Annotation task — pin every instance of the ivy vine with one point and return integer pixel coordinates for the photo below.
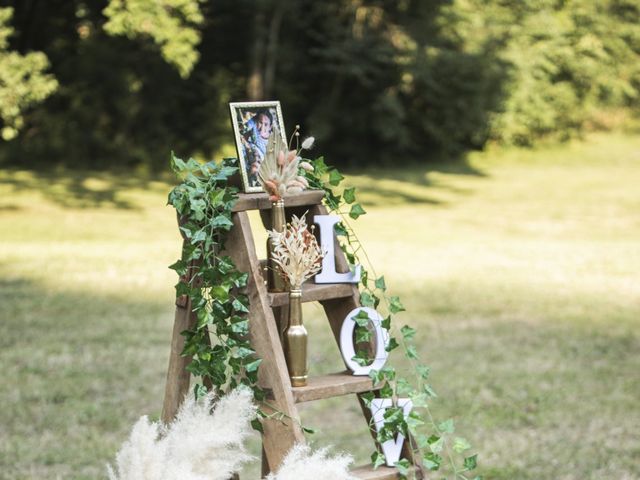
(204, 202)
(218, 343)
(433, 443)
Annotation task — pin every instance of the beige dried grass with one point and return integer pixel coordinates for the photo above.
(296, 252)
(278, 173)
(200, 444)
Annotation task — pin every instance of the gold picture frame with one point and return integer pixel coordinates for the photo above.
(252, 124)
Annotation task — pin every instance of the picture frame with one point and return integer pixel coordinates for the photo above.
(253, 122)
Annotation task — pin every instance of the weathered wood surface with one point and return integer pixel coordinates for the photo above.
(332, 385)
(178, 378)
(381, 473)
(260, 201)
(279, 435)
(312, 292)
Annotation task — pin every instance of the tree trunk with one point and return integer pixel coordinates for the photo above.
(272, 48)
(255, 84)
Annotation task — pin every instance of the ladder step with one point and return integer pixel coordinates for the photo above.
(260, 201)
(332, 385)
(312, 292)
(367, 472)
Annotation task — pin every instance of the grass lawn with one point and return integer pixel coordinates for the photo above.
(519, 268)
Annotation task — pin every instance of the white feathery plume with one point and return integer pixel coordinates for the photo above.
(301, 464)
(307, 143)
(200, 444)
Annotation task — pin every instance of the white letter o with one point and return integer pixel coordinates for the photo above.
(347, 347)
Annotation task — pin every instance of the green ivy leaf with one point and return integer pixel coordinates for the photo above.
(436, 443)
(199, 390)
(423, 371)
(180, 267)
(363, 334)
(403, 467)
(240, 306)
(411, 352)
(377, 458)
(386, 392)
(362, 358)
(429, 391)
(335, 177)
(470, 463)
(221, 221)
(356, 211)
(393, 343)
(241, 328)
(217, 197)
(220, 292)
(367, 300)
(177, 164)
(389, 372)
(460, 445)
(407, 332)
(395, 305)
(256, 424)
(319, 167)
(340, 230)
(253, 366)
(367, 397)
(432, 461)
(362, 318)
(379, 283)
(386, 322)
(419, 400)
(414, 421)
(349, 195)
(447, 426)
(403, 387)
(243, 352)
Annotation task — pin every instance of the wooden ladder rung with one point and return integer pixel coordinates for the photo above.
(367, 472)
(260, 201)
(332, 385)
(312, 292)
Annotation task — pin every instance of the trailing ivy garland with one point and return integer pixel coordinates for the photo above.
(438, 440)
(204, 202)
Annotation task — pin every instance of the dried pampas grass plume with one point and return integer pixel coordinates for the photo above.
(301, 464)
(200, 444)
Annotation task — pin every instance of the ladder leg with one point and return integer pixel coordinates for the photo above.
(280, 434)
(178, 378)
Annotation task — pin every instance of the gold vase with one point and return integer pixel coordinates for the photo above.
(275, 282)
(295, 341)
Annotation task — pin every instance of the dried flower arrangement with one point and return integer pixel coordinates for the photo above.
(279, 171)
(296, 252)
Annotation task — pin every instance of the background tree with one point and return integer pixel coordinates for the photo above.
(23, 81)
(373, 80)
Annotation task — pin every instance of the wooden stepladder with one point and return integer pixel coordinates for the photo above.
(267, 318)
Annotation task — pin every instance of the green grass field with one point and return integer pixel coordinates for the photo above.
(519, 268)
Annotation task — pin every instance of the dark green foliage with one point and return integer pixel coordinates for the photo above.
(222, 354)
(373, 81)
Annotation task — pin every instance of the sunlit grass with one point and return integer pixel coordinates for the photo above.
(520, 269)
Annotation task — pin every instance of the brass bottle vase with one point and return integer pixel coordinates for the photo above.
(295, 341)
(275, 282)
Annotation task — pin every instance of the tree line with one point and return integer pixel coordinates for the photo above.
(98, 83)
